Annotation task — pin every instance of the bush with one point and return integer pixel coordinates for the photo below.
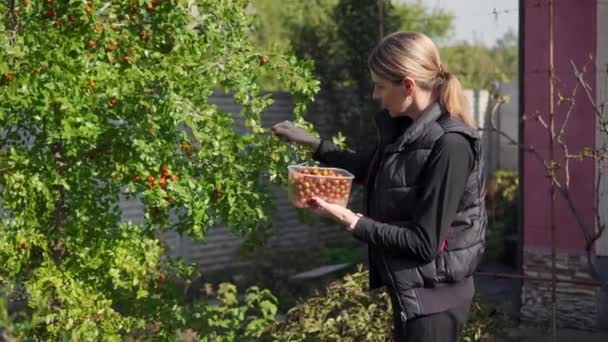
(501, 202)
(347, 311)
(101, 100)
(272, 269)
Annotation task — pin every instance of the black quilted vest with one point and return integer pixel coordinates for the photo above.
(395, 173)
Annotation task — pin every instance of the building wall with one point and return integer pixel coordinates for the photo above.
(576, 303)
(575, 40)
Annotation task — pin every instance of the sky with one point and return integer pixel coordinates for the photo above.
(475, 21)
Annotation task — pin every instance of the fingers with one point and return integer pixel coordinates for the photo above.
(281, 134)
(315, 205)
(282, 129)
(277, 128)
(316, 202)
(313, 202)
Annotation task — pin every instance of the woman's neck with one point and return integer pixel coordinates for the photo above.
(421, 101)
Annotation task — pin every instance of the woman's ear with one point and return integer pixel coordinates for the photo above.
(410, 86)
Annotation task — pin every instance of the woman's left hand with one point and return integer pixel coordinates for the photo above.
(341, 215)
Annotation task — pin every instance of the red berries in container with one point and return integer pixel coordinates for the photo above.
(331, 184)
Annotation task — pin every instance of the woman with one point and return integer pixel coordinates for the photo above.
(425, 218)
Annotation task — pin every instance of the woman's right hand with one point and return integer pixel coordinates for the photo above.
(293, 134)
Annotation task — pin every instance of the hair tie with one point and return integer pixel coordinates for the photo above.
(442, 73)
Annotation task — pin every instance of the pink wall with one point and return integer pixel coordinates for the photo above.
(575, 39)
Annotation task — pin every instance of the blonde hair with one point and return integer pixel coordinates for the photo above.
(412, 54)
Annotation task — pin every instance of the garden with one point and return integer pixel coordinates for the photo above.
(109, 99)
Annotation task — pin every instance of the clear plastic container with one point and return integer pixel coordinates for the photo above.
(331, 184)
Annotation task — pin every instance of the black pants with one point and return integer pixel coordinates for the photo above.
(444, 326)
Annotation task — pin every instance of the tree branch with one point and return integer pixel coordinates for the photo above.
(588, 232)
(579, 76)
(569, 112)
(59, 214)
(561, 142)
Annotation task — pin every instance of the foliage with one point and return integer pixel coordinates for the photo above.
(502, 206)
(104, 100)
(272, 268)
(347, 311)
(480, 67)
(506, 54)
(344, 312)
(416, 17)
(486, 322)
(277, 23)
(234, 319)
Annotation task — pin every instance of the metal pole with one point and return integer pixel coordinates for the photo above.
(381, 18)
(553, 171)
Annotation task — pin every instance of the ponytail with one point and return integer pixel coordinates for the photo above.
(452, 99)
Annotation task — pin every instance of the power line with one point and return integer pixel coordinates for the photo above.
(495, 12)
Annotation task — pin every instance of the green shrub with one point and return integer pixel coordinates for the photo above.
(347, 311)
(106, 100)
(501, 202)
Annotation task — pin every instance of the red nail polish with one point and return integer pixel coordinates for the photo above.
(313, 201)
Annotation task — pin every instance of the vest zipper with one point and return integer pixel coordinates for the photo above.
(402, 313)
(379, 155)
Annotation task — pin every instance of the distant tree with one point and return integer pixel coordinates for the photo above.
(277, 28)
(506, 54)
(478, 66)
